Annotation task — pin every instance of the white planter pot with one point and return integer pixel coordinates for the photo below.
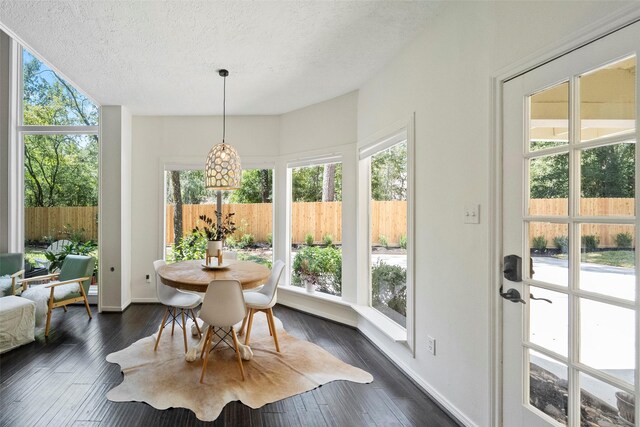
(311, 288)
(213, 246)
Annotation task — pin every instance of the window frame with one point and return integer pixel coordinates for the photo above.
(388, 137)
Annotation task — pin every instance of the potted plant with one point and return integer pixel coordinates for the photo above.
(309, 274)
(216, 233)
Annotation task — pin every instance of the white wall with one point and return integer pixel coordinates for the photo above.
(179, 139)
(444, 77)
(115, 208)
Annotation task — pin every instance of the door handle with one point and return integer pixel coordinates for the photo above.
(540, 299)
(512, 295)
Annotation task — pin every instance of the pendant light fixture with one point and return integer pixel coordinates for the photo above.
(222, 170)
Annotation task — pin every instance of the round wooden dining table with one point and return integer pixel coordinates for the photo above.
(192, 276)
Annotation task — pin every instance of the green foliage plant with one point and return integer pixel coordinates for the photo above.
(624, 240)
(231, 242)
(191, 246)
(539, 243)
(389, 286)
(74, 248)
(321, 266)
(383, 240)
(246, 241)
(327, 239)
(308, 239)
(213, 231)
(561, 243)
(590, 242)
(270, 239)
(403, 241)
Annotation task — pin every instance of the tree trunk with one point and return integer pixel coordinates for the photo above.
(264, 185)
(329, 182)
(177, 212)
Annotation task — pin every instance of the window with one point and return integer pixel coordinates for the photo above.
(386, 192)
(186, 199)
(316, 227)
(59, 135)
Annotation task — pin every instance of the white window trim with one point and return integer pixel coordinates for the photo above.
(382, 140)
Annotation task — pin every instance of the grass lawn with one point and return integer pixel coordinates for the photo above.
(612, 258)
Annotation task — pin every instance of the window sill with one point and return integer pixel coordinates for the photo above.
(387, 326)
(315, 295)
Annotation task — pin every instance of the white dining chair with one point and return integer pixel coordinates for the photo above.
(175, 300)
(223, 307)
(264, 300)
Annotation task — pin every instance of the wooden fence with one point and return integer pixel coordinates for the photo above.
(318, 218)
(41, 222)
(588, 207)
(388, 219)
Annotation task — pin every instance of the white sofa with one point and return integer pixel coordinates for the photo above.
(17, 322)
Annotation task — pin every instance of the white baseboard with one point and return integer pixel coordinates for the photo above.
(112, 308)
(145, 300)
(421, 382)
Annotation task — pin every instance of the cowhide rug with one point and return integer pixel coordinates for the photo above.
(163, 379)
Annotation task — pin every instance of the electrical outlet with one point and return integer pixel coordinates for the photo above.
(431, 345)
(148, 278)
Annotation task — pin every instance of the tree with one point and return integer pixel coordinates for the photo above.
(389, 174)
(256, 187)
(308, 183)
(60, 170)
(329, 182)
(177, 212)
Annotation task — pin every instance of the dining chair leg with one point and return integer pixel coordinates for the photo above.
(248, 336)
(269, 324)
(65, 308)
(244, 324)
(204, 363)
(235, 343)
(173, 323)
(272, 322)
(205, 344)
(184, 329)
(164, 319)
(193, 316)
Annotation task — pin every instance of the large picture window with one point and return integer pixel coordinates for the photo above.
(186, 199)
(58, 129)
(316, 227)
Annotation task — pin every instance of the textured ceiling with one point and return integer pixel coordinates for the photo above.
(158, 57)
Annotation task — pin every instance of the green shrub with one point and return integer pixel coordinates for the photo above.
(561, 243)
(231, 242)
(590, 242)
(270, 239)
(246, 240)
(322, 266)
(88, 248)
(389, 286)
(383, 240)
(624, 240)
(403, 241)
(539, 243)
(327, 239)
(191, 246)
(308, 239)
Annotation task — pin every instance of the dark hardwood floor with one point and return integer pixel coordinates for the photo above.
(63, 380)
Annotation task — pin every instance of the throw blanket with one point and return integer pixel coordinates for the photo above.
(40, 295)
(5, 285)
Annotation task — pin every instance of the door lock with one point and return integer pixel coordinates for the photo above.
(512, 268)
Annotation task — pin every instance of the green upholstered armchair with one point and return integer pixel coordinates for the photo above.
(11, 265)
(71, 286)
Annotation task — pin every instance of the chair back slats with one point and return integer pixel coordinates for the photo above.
(223, 304)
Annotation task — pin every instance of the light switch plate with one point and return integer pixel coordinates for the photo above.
(472, 214)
